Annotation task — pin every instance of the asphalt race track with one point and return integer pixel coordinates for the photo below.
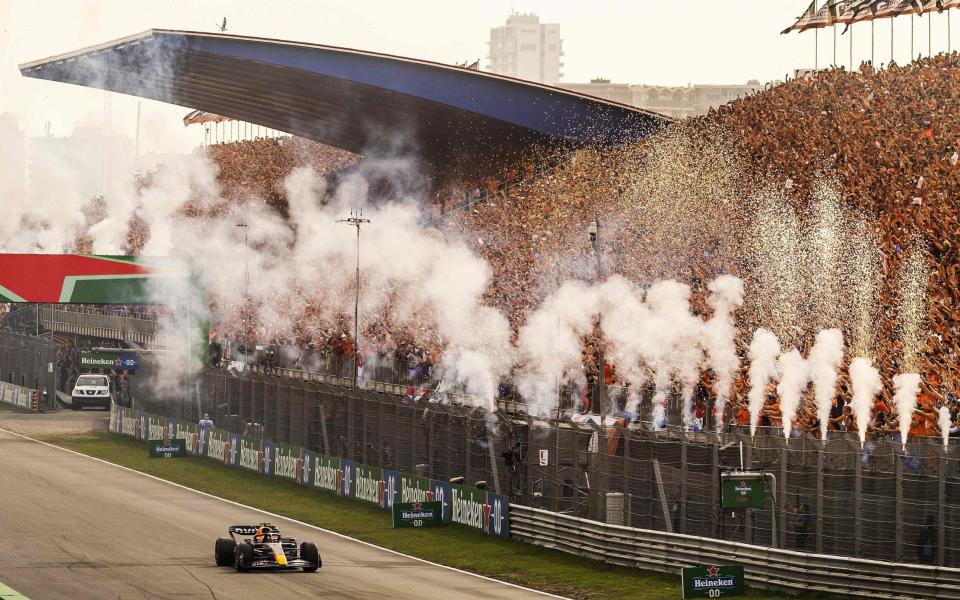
(73, 527)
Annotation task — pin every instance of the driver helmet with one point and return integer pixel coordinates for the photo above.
(263, 534)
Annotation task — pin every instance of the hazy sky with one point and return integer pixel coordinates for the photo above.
(630, 41)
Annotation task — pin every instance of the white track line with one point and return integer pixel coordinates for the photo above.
(276, 516)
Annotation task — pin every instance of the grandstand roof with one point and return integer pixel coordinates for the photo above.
(347, 98)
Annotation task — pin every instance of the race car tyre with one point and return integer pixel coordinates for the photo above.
(309, 553)
(244, 556)
(225, 550)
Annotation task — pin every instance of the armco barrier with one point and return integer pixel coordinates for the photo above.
(477, 509)
(763, 566)
(16, 395)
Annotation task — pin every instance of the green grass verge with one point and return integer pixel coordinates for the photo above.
(507, 560)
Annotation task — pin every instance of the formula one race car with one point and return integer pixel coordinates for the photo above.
(262, 547)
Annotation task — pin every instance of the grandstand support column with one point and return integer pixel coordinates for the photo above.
(467, 448)
(834, 28)
(851, 47)
(431, 420)
(781, 506)
(715, 488)
(684, 474)
(898, 507)
(413, 438)
(816, 49)
(363, 432)
(929, 34)
(602, 447)
(380, 433)
(748, 513)
(858, 503)
(941, 504)
(873, 31)
(819, 536)
(448, 451)
(626, 476)
(911, 37)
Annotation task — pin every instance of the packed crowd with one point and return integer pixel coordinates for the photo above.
(256, 168)
(889, 137)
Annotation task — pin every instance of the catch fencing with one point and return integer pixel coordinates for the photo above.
(879, 502)
(31, 362)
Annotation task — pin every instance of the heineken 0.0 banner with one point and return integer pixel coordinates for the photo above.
(417, 514)
(106, 360)
(741, 491)
(168, 449)
(713, 582)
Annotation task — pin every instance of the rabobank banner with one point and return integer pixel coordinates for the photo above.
(479, 510)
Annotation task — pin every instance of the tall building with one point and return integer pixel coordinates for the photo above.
(677, 102)
(527, 49)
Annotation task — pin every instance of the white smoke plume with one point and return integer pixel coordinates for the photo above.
(626, 328)
(866, 384)
(548, 345)
(764, 349)
(794, 377)
(678, 343)
(906, 388)
(825, 359)
(943, 420)
(726, 296)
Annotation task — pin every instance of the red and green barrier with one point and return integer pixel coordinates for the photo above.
(468, 506)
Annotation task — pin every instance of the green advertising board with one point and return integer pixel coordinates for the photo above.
(173, 448)
(285, 461)
(741, 491)
(468, 506)
(417, 514)
(415, 489)
(713, 582)
(367, 484)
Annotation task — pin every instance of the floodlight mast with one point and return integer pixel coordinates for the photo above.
(356, 219)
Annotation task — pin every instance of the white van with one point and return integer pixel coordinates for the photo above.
(91, 390)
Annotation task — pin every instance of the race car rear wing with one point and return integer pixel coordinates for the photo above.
(251, 529)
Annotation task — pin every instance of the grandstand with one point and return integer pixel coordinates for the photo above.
(883, 139)
(886, 137)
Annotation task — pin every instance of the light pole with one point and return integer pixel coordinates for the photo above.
(356, 219)
(601, 395)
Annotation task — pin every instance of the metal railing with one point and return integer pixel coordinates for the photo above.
(763, 567)
(103, 324)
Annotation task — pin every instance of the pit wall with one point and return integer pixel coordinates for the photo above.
(480, 510)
